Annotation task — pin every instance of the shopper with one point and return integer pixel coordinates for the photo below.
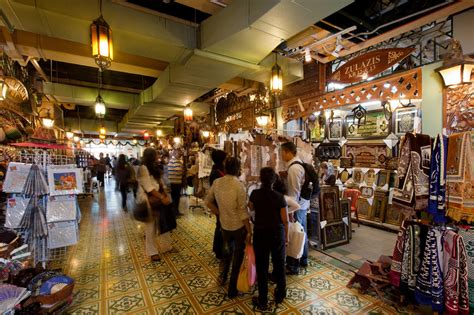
(270, 236)
(101, 170)
(228, 199)
(175, 176)
(295, 180)
(123, 175)
(280, 186)
(327, 174)
(150, 184)
(218, 157)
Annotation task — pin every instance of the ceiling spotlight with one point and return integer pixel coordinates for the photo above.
(307, 55)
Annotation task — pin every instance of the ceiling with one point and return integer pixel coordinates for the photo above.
(171, 53)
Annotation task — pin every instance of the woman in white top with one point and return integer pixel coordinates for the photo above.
(150, 184)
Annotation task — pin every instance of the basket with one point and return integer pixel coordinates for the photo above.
(10, 241)
(54, 298)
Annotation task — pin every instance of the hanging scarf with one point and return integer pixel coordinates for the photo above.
(460, 177)
(455, 274)
(437, 200)
(429, 281)
(468, 237)
(411, 258)
(412, 188)
(396, 267)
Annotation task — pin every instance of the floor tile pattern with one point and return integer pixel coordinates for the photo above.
(114, 276)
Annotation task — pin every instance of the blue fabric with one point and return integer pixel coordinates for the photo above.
(437, 193)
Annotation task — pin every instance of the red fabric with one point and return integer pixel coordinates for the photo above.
(354, 194)
(41, 145)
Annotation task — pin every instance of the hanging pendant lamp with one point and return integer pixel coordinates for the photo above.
(101, 41)
(276, 81)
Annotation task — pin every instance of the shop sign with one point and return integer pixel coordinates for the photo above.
(368, 65)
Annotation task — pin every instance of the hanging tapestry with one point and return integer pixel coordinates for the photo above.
(396, 268)
(456, 298)
(460, 177)
(468, 237)
(437, 201)
(429, 282)
(412, 187)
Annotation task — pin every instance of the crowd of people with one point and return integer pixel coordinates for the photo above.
(261, 219)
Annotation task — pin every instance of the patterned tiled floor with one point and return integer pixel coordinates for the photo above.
(113, 275)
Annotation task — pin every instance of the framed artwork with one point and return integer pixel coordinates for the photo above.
(16, 176)
(344, 176)
(335, 129)
(363, 208)
(379, 207)
(371, 153)
(335, 234)
(383, 178)
(329, 206)
(405, 120)
(392, 216)
(375, 126)
(346, 213)
(369, 177)
(61, 208)
(65, 181)
(357, 176)
(367, 191)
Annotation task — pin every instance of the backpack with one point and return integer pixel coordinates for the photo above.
(310, 189)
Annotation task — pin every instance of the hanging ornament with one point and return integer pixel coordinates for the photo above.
(360, 113)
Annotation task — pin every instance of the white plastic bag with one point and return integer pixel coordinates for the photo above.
(297, 238)
(184, 205)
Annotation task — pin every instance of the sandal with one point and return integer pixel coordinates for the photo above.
(155, 257)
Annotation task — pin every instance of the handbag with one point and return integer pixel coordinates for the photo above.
(166, 218)
(140, 211)
(297, 238)
(248, 274)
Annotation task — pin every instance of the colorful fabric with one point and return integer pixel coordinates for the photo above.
(468, 238)
(175, 171)
(412, 187)
(396, 268)
(411, 258)
(455, 274)
(437, 199)
(460, 177)
(429, 281)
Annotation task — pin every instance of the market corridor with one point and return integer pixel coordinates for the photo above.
(113, 275)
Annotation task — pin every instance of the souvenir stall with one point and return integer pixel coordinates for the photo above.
(39, 183)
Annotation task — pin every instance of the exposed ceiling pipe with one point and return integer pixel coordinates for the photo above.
(328, 38)
(217, 2)
(401, 19)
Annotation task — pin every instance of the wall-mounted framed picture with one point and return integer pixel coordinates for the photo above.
(363, 208)
(383, 178)
(375, 126)
(369, 177)
(329, 206)
(379, 207)
(335, 129)
(335, 234)
(367, 191)
(346, 213)
(407, 120)
(344, 176)
(65, 181)
(357, 176)
(393, 216)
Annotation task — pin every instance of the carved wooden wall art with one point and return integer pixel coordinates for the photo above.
(458, 108)
(255, 155)
(367, 154)
(406, 85)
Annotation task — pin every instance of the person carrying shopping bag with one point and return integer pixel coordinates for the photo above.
(151, 193)
(270, 237)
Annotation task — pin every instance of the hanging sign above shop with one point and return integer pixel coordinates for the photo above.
(368, 65)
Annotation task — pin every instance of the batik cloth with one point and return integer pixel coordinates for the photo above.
(412, 187)
(456, 297)
(396, 267)
(411, 258)
(429, 281)
(437, 199)
(460, 177)
(468, 238)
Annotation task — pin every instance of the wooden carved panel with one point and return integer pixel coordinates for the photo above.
(458, 108)
(406, 85)
(257, 154)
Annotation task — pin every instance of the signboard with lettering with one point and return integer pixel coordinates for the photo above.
(375, 126)
(368, 65)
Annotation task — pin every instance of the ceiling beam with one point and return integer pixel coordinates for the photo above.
(42, 46)
(444, 12)
(204, 5)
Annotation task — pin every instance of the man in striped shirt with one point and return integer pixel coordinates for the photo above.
(175, 177)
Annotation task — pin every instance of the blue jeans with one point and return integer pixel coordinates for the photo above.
(292, 263)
